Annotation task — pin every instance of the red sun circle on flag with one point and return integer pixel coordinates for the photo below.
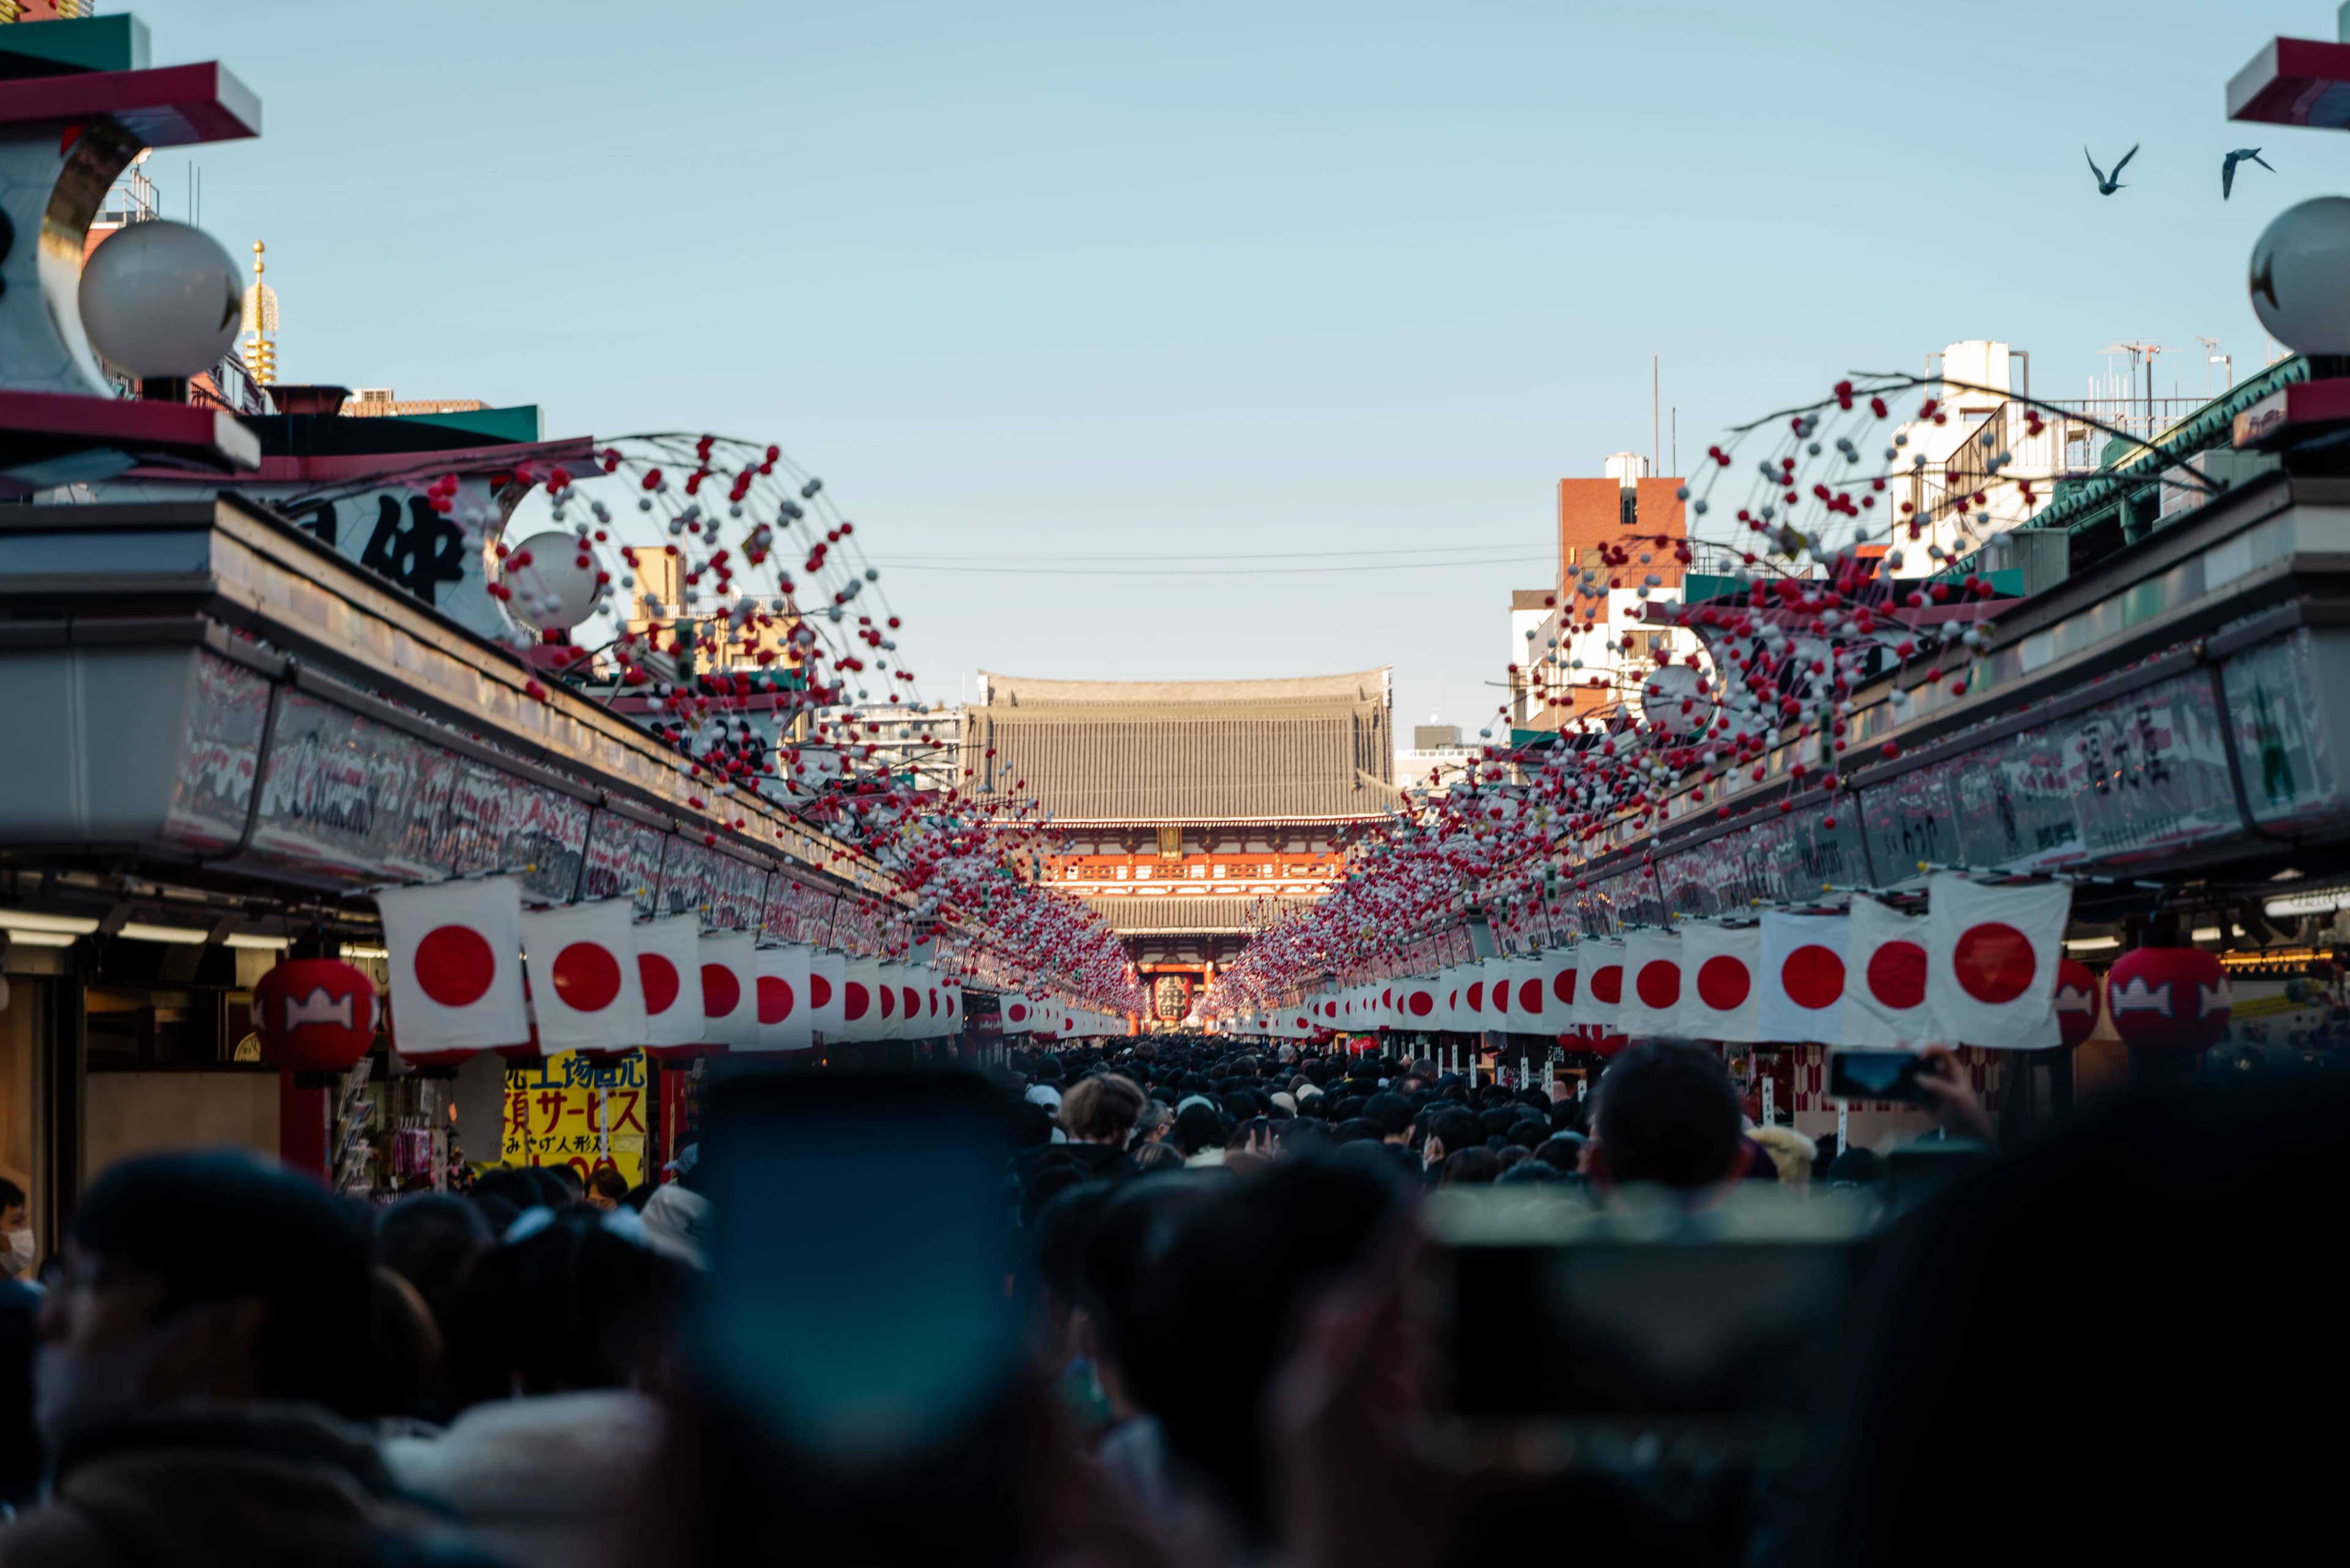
(454, 965)
(854, 1001)
(1811, 976)
(774, 999)
(587, 977)
(1562, 985)
(1477, 996)
(721, 993)
(1607, 984)
(1722, 982)
(1421, 1004)
(1897, 975)
(658, 978)
(1994, 962)
(913, 1006)
(1658, 983)
(819, 991)
(1530, 997)
(1019, 1012)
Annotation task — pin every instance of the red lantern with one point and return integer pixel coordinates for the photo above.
(2076, 1000)
(2168, 998)
(314, 1015)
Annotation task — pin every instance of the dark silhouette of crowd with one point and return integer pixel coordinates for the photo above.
(1215, 1262)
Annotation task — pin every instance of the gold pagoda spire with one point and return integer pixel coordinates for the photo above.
(260, 346)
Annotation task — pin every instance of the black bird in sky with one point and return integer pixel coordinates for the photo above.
(2228, 170)
(2109, 184)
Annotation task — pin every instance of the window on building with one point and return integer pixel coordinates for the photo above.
(1199, 872)
(1121, 873)
(1143, 873)
(1220, 873)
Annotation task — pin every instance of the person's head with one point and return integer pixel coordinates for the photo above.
(1049, 1069)
(210, 1275)
(403, 1351)
(16, 1243)
(558, 1185)
(1668, 1114)
(1198, 1128)
(576, 1301)
(430, 1240)
(1561, 1152)
(1157, 1156)
(1101, 1109)
(1856, 1167)
(1450, 1131)
(1154, 1122)
(1390, 1115)
(607, 1188)
(1469, 1167)
(1219, 1308)
(1356, 1129)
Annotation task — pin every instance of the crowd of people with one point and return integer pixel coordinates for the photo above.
(1224, 1355)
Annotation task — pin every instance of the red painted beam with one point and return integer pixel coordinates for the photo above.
(62, 422)
(2294, 81)
(174, 106)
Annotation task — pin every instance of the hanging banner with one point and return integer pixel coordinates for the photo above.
(1651, 1003)
(454, 963)
(1803, 977)
(669, 972)
(1719, 997)
(1885, 1005)
(587, 995)
(783, 989)
(1992, 955)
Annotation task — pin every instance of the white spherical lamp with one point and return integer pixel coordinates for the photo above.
(551, 589)
(2301, 276)
(159, 299)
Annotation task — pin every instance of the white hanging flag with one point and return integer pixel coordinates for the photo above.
(1802, 978)
(861, 1001)
(1651, 1008)
(913, 1010)
(1563, 964)
(1476, 1016)
(1884, 1004)
(1017, 1012)
(454, 952)
(585, 990)
(729, 994)
(1992, 955)
(1416, 1003)
(1719, 987)
(1499, 1003)
(783, 982)
(669, 978)
(1530, 1001)
(827, 978)
(1603, 985)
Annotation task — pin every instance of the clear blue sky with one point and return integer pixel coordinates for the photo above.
(1032, 282)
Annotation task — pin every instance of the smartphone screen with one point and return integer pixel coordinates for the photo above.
(1862, 1074)
(856, 1300)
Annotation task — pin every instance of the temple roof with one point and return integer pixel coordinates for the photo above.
(1311, 748)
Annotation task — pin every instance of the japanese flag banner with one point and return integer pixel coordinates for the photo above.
(914, 1005)
(1501, 994)
(861, 1001)
(1018, 1012)
(1885, 1005)
(1562, 964)
(669, 966)
(454, 952)
(1992, 955)
(729, 994)
(1450, 1008)
(1801, 978)
(782, 987)
(1651, 1004)
(1475, 1016)
(1530, 1001)
(950, 1006)
(1720, 991)
(827, 978)
(1603, 985)
(586, 991)
(1415, 1003)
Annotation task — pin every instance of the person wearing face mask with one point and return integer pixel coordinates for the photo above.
(18, 1258)
(199, 1356)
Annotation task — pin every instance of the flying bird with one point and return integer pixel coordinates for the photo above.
(2228, 170)
(2109, 184)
